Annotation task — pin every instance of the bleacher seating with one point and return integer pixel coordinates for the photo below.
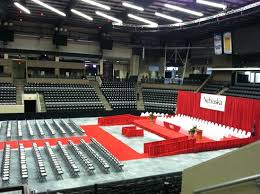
(121, 95)
(67, 97)
(8, 93)
(195, 79)
(244, 90)
(40, 163)
(102, 163)
(214, 87)
(163, 100)
(6, 162)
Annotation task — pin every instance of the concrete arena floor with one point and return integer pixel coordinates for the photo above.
(132, 169)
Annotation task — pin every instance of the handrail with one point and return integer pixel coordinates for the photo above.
(227, 184)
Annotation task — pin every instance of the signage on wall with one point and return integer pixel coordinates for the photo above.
(218, 44)
(213, 102)
(227, 39)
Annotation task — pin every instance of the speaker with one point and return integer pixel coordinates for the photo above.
(106, 44)
(7, 35)
(60, 40)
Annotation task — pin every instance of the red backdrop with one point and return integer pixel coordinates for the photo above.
(241, 113)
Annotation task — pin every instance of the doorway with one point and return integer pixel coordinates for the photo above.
(30, 106)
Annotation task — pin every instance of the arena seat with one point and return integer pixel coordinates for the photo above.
(244, 90)
(159, 99)
(8, 93)
(121, 95)
(67, 97)
(40, 163)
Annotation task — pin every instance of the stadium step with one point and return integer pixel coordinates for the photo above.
(19, 83)
(101, 97)
(42, 103)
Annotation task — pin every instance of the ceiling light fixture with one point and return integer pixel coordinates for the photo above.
(168, 17)
(109, 17)
(97, 4)
(81, 14)
(177, 8)
(49, 7)
(150, 23)
(212, 4)
(129, 5)
(21, 7)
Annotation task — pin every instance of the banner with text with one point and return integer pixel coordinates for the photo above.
(213, 102)
(218, 44)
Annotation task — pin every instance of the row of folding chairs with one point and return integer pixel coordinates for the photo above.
(82, 158)
(19, 128)
(6, 162)
(103, 164)
(107, 154)
(49, 127)
(31, 133)
(9, 129)
(23, 164)
(53, 160)
(40, 163)
(79, 129)
(39, 128)
(74, 169)
(59, 127)
(68, 127)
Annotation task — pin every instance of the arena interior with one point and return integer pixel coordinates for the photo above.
(130, 97)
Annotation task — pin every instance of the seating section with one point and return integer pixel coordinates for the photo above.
(244, 90)
(74, 169)
(214, 87)
(67, 97)
(121, 95)
(6, 162)
(23, 164)
(195, 79)
(101, 162)
(40, 163)
(162, 100)
(82, 158)
(105, 153)
(7, 93)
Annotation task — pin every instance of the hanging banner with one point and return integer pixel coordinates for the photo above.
(213, 102)
(218, 44)
(227, 39)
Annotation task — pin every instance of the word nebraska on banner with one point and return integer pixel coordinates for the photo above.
(213, 102)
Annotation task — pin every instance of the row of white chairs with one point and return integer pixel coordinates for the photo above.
(19, 128)
(54, 160)
(147, 114)
(79, 129)
(9, 129)
(83, 159)
(49, 127)
(23, 163)
(66, 125)
(39, 128)
(107, 154)
(74, 169)
(103, 164)
(59, 127)
(6, 162)
(31, 133)
(211, 130)
(40, 163)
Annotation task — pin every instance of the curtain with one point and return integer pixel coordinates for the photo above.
(240, 113)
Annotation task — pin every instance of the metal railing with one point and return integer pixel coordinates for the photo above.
(230, 183)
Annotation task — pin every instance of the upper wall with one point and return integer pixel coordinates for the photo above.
(79, 47)
(234, 165)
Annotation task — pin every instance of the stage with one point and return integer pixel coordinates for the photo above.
(129, 150)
